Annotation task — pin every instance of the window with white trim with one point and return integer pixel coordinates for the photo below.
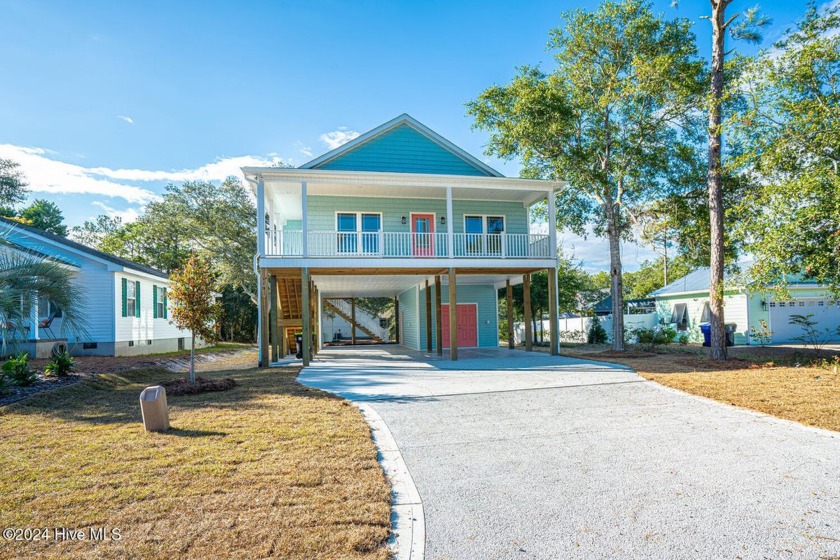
(358, 232)
(131, 299)
(483, 234)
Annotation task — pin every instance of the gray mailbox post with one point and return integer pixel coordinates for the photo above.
(154, 409)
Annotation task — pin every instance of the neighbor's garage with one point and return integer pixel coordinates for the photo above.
(826, 312)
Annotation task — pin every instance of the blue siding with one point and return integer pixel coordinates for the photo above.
(402, 150)
(483, 295)
(408, 309)
(321, 212)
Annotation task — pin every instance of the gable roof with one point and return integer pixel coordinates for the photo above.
(698, 280)
(382, 138)
(125, 263)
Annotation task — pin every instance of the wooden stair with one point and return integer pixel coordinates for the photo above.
(289, 291)
(349, 319)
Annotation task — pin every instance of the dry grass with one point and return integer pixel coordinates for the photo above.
(763, 379)
(267, 469)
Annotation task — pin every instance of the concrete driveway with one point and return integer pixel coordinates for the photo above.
(519, 455)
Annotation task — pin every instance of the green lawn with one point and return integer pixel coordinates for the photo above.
(268, 469)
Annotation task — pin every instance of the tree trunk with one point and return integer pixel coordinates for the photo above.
(192, 359)
(715, 184)
(616, 288)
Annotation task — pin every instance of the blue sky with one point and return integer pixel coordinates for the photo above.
(103, 103)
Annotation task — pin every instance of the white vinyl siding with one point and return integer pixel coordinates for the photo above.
(145, 326)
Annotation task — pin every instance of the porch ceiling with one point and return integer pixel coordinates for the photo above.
(280, 182)
(389, 285)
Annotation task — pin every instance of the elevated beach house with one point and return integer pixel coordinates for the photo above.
(398, 212)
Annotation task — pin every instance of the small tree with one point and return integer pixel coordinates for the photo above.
(193, 305)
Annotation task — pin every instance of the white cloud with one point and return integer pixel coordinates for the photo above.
(129, 120)
(303, 149)
(127, 216)
(219, 170)
(48, 175)
(338, 137)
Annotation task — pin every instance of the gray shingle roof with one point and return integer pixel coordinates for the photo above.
(84, 248)
(698, 280)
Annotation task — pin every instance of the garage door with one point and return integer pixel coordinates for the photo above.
(467, 325)
(825, 311)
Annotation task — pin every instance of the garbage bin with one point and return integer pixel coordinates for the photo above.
(299, 342)
(730, 333)
(706, 329)
(154, 409)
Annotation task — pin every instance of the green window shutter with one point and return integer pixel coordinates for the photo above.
(124, 297)
(137, 299)
(154, 301)
(165, 312)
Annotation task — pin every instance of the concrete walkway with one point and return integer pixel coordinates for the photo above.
(519, 455)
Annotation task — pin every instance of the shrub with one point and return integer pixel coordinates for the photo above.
(652, 337)
(811, 335)
(683, 339)
(597, 334)
(16, 369)
(59, 365)
(573, 336)
(762, 334)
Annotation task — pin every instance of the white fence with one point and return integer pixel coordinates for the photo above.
(575, 329)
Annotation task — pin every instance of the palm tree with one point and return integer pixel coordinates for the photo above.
(26, 276)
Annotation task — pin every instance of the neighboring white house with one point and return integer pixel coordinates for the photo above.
(126, 309)
(684, 304)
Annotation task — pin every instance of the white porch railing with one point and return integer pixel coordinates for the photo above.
(389, 244)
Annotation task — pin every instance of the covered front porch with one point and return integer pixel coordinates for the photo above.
(426, 302)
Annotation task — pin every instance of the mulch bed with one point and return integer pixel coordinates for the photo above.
(43, 383)
(178, 387)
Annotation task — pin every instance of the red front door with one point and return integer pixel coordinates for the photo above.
(422, 238)
(466, 322)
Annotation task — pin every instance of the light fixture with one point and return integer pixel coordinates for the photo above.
(443, 220)
(404, 221)
(764, 305)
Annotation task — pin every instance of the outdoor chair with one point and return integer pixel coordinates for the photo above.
(47, 323)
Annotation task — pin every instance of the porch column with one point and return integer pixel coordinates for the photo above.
(554, 320)
(281, 329)
(552, 225)
(509, 306)
(428, 318)
(263, 310)
(453, 316)
(438, 324)
(273, 335)
(319, 312)
(526, 299)
(450, 238)
(397, 320)
(313, 340)
(260, 216)
(304, 225)
(353, 321)
(305, 315)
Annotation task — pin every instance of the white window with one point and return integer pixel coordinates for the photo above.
(47, 308)
(706, 316)
(481, 233)
(160, 298)
(130, 298)
(358, 232)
